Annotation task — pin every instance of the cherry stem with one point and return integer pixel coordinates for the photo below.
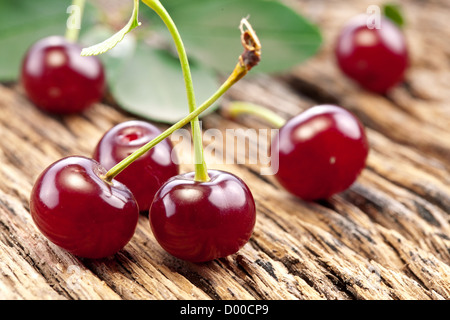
(237, 108)
(248, 59)
(73, 32)
(201, 171)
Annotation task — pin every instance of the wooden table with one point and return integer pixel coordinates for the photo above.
(387, 237)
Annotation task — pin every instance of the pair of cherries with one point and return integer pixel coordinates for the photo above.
(75, 208)
(323, 150)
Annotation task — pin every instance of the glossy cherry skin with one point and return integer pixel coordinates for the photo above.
(203, 221)
(321, 152)
(149, 172)
(57, 79)
(377, 59)
(80, 212)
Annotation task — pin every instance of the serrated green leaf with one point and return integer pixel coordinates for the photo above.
(210, 32)
(111, 42)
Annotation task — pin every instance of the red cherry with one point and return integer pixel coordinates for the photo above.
(146, 174)
(321, 152)
(203, 221)
(58, 79)
(375, 58)
(80, 212)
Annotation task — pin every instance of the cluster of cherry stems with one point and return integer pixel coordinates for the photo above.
(91, 210)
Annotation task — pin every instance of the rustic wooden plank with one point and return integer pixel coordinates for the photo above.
(387, 237)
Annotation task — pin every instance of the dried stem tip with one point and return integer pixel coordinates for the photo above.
(252, 46)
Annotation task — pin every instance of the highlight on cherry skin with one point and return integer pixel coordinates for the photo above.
(202, 221)
(321, 152)
(147, 173)
(80, 212)
(375, 58)
(57, 79)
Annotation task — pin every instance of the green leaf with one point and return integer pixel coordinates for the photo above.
(148, 82)
(111, 42)
(24, 22)
(210, 32)
(393, 12)
(21, 24)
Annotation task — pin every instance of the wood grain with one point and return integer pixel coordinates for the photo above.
(386, 237)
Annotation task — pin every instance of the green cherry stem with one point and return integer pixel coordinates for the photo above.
(237, 108)
(234, 77)
(201, 172)
(74, 22)
(247, 61)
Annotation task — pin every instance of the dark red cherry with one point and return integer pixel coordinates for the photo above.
(320, 152)
(57, 79)
(203, 221)
(375, 58)
(80, 212)
(149, 172)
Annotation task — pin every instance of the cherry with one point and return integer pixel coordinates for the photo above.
(321, 152)
(146, 174)
(375, 58)
(58, 79)
(80, 212)
(202, 221)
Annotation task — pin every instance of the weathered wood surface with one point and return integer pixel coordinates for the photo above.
(387, 237)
